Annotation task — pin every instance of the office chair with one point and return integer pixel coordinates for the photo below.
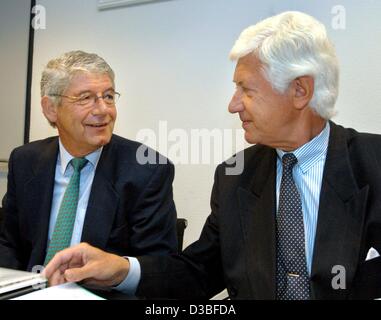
(181, 224)
(1, 216)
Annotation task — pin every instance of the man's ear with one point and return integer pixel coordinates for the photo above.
(302, 91)
(49, 109)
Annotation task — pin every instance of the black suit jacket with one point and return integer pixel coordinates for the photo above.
(130, 209)
(237, 245)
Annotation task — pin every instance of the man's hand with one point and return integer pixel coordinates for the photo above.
(90, 265)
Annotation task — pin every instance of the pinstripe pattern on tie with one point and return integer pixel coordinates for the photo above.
(63, 229)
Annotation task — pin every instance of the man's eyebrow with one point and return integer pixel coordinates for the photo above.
(239, 83)
(83, 92)
(244, 85)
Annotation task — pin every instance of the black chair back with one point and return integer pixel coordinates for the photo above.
(181, 225)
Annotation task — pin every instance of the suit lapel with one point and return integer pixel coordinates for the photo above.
(39, 193)
(257, 212)
(103, 201)
(340, 219)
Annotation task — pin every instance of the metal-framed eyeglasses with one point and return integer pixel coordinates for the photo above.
(89, 98)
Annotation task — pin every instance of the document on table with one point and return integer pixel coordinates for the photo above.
(67, 291)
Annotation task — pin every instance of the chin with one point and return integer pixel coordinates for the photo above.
(250, 138)
(101, 141)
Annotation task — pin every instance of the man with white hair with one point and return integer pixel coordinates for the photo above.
(298, 222)
(86, 184)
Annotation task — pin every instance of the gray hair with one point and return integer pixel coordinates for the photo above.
(290, 45)
(59, 72)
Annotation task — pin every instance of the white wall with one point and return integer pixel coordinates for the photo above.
(14, 37)
(171, 63)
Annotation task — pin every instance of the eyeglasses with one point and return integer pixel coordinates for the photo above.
(89, 99)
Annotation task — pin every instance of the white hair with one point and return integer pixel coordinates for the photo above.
(290, 45)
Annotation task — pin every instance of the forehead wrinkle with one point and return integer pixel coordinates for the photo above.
(88, 87)
(90, 91)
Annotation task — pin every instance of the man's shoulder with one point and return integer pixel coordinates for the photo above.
(249, 154)
(134, 152)
(247, 160)
(123, 144)
(358, 141)
(364, 137)
(35, 148)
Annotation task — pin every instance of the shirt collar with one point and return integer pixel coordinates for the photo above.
(311, 152)
(65, 157)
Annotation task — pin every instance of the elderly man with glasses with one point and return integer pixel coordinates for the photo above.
(85, 185)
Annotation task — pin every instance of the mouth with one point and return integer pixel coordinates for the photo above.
(97, 125)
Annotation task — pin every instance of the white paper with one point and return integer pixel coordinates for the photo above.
(67, 291)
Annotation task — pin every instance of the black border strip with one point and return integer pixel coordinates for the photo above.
(29, 76)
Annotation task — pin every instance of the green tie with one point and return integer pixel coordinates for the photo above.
(63, 229)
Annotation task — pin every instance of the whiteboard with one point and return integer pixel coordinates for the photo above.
(14, 39)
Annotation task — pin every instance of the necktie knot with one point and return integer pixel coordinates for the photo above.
(289, 160)
(78, 164)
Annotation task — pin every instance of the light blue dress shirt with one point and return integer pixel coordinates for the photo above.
(308, 176)
(61, 180)
(63, 174)
(130, 284)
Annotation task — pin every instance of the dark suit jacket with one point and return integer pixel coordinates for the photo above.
(130, 209)
(236, 248)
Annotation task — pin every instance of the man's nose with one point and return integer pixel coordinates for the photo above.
(100, 106)
(236, 104)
